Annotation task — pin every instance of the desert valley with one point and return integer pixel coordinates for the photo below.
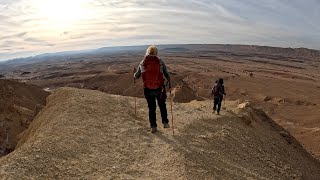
(282, 82)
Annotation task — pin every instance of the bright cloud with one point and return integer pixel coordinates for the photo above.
(35, 26)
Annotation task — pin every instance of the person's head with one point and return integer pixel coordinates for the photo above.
(152, 51)
(220, 81)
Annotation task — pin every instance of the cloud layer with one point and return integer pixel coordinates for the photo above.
(28, 30)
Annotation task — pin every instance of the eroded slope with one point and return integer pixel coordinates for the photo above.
(19, 103)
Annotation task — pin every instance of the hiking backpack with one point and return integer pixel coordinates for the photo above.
(151, 75)
(217, 89)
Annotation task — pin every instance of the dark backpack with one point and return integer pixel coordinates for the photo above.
(152, 76)
(217, 90)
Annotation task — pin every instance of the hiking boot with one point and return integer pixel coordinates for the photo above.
(166, 125)
(153, 130)
(218, 113)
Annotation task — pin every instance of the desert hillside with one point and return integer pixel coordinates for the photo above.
(19, 103)
(87, 134)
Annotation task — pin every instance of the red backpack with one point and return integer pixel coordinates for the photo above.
(152, 77)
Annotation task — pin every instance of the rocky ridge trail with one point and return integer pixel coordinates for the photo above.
(86, 134)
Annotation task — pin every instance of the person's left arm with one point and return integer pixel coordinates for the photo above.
(223, 91)
(165, 70)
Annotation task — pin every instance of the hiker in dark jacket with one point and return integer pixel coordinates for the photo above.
(153, 70)
(218, 92)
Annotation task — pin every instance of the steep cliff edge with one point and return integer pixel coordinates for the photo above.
(19, 103)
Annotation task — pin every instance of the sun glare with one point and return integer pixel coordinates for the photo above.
(62, 12)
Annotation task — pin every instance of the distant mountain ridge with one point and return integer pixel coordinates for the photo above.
(290, 52)
(273, 50)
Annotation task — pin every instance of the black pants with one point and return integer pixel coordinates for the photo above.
(153, 95)
(217, 101)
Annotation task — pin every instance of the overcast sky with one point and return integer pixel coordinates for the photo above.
(30, 27)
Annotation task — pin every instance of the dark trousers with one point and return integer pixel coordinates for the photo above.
(153, 95)
(217, 101)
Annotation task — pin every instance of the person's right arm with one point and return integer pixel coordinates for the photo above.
(212, 90)
(137, 74)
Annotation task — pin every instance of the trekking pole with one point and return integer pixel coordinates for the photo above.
(211, 101)
(134, 86)
(171, 100)
(135, 99)
(224, 101)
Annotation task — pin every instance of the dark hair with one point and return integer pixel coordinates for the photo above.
(220, 81)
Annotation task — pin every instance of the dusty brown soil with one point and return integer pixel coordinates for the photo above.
(85, 134)
(284, 82)
(19, 103)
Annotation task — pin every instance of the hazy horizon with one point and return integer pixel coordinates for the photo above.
(32, 27)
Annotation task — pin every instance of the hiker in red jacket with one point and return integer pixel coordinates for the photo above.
(218, 92)
(153, 71)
